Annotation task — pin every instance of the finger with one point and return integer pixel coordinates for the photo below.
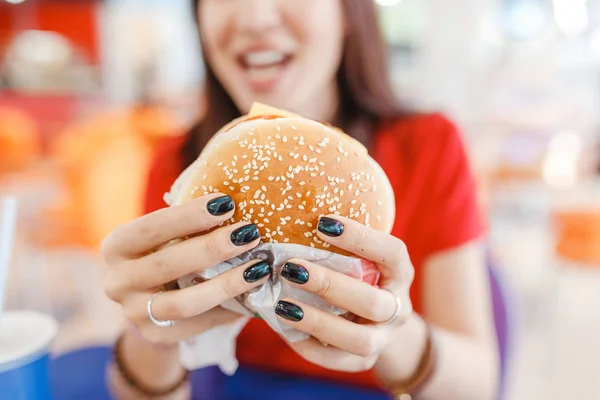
(361, 340)
(330, 357)
(341, 290)
(387, 251)
(187, 328)
(195, 300)
(195, 254)
(152, 230)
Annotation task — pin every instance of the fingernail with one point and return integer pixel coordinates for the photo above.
(245, 234)
(221, 205)
(257, 271)
(289, 311)
(294, 273)
(331, 227)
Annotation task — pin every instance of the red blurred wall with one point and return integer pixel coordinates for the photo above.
(75, 19)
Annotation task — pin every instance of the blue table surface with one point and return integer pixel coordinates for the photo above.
(80, 375)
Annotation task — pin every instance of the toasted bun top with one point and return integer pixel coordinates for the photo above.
(284, 172)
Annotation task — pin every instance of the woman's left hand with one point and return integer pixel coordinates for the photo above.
(336, 342)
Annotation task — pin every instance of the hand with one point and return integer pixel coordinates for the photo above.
(138, 266)
(351, 346)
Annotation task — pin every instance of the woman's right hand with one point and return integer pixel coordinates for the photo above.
(137, 266)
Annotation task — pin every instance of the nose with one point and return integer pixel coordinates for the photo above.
(257, 16)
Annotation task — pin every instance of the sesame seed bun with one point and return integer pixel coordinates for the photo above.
(284, 172)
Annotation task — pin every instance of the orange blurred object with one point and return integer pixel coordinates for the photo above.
(19, 140)
(579, 236)
(104, 162)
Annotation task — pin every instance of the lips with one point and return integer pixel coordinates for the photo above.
(264, 68)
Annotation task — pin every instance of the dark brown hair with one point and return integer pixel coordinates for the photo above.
(365, 90)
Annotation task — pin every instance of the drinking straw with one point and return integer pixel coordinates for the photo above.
(8, 221)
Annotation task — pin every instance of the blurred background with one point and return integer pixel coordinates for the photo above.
(89, 87)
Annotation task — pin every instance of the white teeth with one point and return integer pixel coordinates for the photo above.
(263, 58)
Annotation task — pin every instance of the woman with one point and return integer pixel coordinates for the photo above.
(325, 60)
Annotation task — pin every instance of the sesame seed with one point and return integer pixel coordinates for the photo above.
(220, 164)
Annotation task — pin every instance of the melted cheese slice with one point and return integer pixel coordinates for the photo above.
(263, 109)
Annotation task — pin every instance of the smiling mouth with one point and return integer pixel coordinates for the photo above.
(265, 66)
(263, 59)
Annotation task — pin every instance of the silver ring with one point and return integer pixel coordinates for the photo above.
(398, 310)
(163, 324)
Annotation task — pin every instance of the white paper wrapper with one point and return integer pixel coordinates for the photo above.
(217, 346)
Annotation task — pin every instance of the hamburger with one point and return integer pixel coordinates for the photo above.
(284, 172)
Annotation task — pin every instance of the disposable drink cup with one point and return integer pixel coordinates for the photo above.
(25, 340)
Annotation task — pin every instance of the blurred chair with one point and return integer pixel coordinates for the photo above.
(578, 235)
(504, 307)
(104, 162)
(20, 144)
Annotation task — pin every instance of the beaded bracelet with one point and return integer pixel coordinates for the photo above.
(412, 387)
(137, 386)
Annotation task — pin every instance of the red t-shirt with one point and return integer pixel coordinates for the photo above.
(436, 209)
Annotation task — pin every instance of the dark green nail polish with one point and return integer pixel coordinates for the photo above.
(220, 205)
(331, 227)
(289, 311)
(245, 234)
(294, 273)
(257, 271)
